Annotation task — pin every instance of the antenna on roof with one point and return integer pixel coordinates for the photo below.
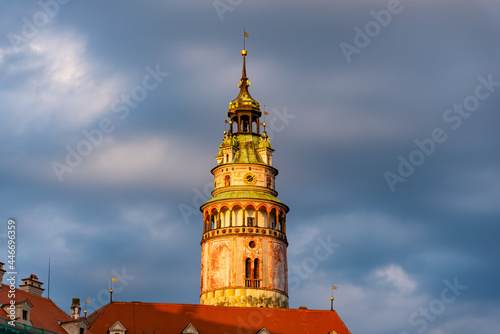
(48, 283)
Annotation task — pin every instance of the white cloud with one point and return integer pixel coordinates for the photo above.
(381, 313)
(53, 79)
(142, 162)
(396, 276)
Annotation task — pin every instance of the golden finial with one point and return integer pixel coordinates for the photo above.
(243, 52)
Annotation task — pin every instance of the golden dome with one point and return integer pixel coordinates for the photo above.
(244, 100)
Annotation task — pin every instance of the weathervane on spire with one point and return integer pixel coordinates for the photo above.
(331, 298)
(245, 35)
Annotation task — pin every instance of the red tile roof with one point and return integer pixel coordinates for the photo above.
(44, 313)
(140, 317)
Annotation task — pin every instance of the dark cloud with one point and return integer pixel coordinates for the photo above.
(348, 124)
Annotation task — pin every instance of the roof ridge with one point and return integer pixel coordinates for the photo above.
(215, 306)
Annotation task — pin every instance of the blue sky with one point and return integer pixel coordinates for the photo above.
(383, 114)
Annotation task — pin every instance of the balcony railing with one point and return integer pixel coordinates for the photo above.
(245, 230)
(252, 283)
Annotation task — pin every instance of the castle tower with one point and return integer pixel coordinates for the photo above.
(244, 259)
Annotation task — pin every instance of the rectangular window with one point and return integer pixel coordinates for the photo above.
(25, 315)
(250, 221)
(82, 331)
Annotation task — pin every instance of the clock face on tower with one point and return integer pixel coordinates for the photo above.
(249, 178)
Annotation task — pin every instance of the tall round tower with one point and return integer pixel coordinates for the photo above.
(243, 257)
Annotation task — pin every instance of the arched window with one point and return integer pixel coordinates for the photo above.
(227, 180)
(248, 273)
(256, 281)
(256, 269)
(227, 157)
(269, 182)
(248, 268)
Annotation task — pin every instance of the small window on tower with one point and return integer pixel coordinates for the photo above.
(227, 180)
(248, 268)
(269, 182)
(250, 221)
(256, 269)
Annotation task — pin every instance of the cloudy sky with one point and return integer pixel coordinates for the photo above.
(384, 116)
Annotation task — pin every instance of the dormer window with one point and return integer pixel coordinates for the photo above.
(25, 315)
(117, 328)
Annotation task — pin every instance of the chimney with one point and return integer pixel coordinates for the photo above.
(75, 308)
(32, 285)
(2, 272)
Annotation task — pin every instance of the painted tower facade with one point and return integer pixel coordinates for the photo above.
(244, 257)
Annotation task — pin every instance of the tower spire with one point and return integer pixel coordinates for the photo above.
(244, 104)
(244, 79)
